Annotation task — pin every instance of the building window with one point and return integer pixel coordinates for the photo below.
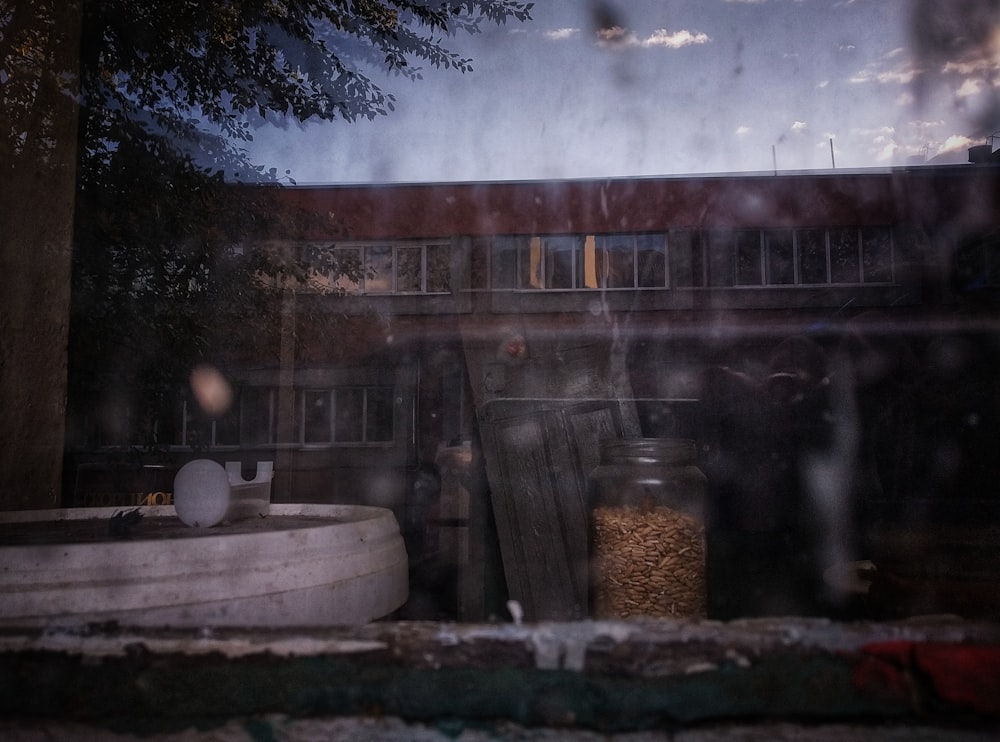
(811, 245)
(779, 257)
(749, 258)
(976, 262)
(345, 415)
(406, 268)
(629, 261)
(620, 261)
(687, 258)
(249, 421)
(876, 255)
(691, 258)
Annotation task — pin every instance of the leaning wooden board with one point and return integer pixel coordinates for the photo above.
(538, 454)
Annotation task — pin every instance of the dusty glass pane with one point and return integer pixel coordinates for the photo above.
(687, 267)
(378, 277)
(780, 257)
(256, 414)
(348, 269)
(650, 254)
(561, 255)
(504, 253)
(349, 424)
(618, 254)
(720, 245)
(316, 423)
(439, 269)
(749, 268)
(397, 275)
(811, 245)
(876, 245)
(379, 409)
(409, 269)
(844, 258)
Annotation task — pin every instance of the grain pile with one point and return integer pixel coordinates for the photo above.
(647, 563)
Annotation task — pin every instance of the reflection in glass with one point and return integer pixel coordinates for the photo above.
(378, 269)
(876, 252)
(651, 260)
(316, 417)
(349, 410)
(812, 255)
(780, 257)
(721, 263)
(844, 256)
(749, 265)
(438, 269)
(687, 268)
(378, 414)
(409, 269)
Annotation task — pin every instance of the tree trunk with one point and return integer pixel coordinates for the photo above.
(38, 122)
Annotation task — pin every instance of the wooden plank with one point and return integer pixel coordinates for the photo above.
(538, 454)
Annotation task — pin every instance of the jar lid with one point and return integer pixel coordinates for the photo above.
(648, 450)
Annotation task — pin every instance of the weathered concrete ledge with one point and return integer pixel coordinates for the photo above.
(602, 677)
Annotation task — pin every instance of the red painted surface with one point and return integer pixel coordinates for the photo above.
(962, 675)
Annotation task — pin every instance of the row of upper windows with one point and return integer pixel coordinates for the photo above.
(352, 414)
(674, 259)
(694, 259)
(340, 415)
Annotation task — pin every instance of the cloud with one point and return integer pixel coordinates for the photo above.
(676, 39)
(742, 130)
(799, 126)
(955, 143)
(877, 131)
(903, 75)
(561, 34)
(885, 153)
(618, 38)
(970, 66)
(969, 87)
(902, 71)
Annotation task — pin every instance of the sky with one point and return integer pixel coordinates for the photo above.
(673, 87)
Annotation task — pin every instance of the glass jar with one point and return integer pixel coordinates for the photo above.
(647, 530)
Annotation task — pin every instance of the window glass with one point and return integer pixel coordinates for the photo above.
(378, 269)
(439, 268)
(256, 416)
(379, 414)
(445, 309)
(721, 257)
(780, 257)
(811, 245)
(687, 266)
(844, 256)
(749, 268)
(617, 261)
(316, 417)
(227, 427)
(505, 255)
(348, 269)
(350, 415)
(652, 260)
(560, 258)
(876, 243)
(409, 269)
